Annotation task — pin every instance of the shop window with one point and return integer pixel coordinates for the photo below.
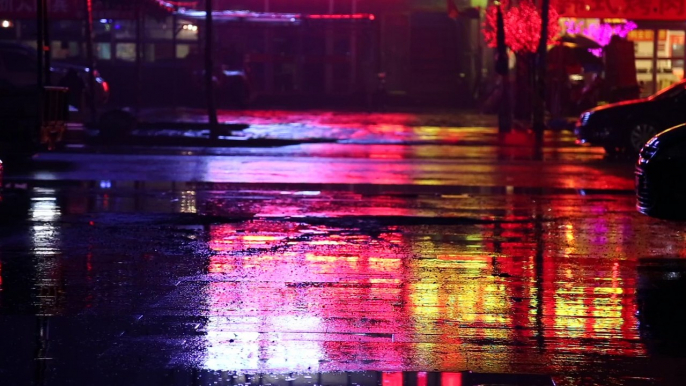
(65, 29)
(187, 31)
(126, 51)
(182, 50)
(643, 42)
(102, 29)
(103, 51)
(158, 29)
(158, 51)
(124, 29)
(644, 75)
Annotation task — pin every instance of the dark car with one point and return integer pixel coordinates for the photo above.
(660, 174)
(624, 127)
(18, 66)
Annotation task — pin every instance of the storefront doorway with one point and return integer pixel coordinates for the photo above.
(659, 54)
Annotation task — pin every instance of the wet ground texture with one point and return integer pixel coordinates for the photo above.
(405, 258)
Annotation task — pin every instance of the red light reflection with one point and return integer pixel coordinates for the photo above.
(392, 379)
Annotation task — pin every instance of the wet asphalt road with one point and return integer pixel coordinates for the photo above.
(130, 266)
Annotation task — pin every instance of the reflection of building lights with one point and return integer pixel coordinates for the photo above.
(188, 202)
(392, 379)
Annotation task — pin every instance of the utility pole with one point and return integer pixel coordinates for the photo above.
(90, 56)
(40, 44)
(541, 69)
(47, 53)
(501, 68)
(209, 70)
(138, 14)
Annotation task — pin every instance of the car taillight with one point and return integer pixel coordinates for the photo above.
(105, 86)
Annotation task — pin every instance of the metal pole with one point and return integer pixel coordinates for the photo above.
(46, 41)
(91, 59)
(175, 60)
(40, 10)
(541, 69)
(209, 70)
(139, 62)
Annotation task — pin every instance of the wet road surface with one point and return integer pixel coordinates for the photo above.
(336, 264)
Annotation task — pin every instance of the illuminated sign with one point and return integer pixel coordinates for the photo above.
(627, 9)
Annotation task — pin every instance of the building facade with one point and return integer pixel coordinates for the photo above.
(322, 49)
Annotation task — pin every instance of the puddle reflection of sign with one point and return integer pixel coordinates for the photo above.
(628, 9)
(26, 9)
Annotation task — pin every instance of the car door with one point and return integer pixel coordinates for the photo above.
(19, 67)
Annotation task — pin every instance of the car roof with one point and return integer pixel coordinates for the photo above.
(15, 45)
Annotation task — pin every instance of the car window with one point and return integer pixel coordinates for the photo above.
(677, 150)
(17, 61)
(669, 92)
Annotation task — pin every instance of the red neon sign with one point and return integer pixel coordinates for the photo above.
(343, 16)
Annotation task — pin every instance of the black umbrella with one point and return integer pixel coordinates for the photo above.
(579, 41)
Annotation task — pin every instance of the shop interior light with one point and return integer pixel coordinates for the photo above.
(5, 24)
(190, 27)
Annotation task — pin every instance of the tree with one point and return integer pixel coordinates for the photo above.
(522, 25)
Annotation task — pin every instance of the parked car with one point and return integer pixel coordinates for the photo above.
(660, 175)
(18, 65)
(624, 127)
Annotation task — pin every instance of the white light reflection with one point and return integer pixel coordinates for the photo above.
(281, 349)
(43, 213)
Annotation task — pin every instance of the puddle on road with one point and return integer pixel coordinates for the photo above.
(534, 286)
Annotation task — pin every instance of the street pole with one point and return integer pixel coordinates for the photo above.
(541, 70)
(46, 41)
(40, 14)
(209, 70)
(139, 62)
(502, 68)
(90, 56)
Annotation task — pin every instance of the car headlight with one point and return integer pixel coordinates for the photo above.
(648, 150)
(583, 118)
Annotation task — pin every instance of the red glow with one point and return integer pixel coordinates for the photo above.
(422, 379)
(343, 16)
(105, 86)
(392, 379)
(451, 379)
(522, 26)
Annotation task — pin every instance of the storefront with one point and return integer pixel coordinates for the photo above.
(658, 30)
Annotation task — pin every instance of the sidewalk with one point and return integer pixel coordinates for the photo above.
(266, 128)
